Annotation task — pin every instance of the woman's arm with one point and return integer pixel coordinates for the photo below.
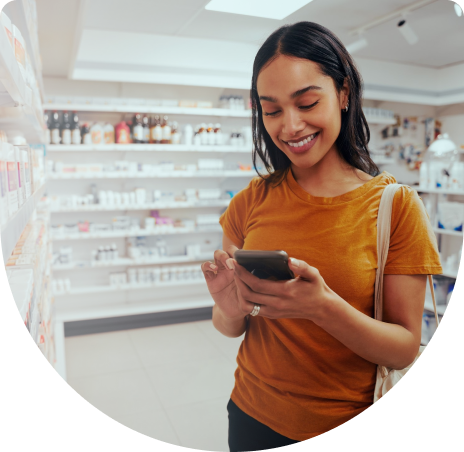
(392, 343)
(395, 341)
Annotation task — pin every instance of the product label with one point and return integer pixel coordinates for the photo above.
(166, 133)
(157, 133)
(146, 134)
(20, 54)
(76, 136)
(10, 36)
(56, 139)
(138, 133)
(66, 136)
(123, 136)
(109, 137)
(96, 137)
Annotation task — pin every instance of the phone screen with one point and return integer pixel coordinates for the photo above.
(265, 264)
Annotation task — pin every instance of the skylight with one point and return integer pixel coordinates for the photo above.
(259, 8)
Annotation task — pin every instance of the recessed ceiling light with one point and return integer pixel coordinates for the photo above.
(259, 8)
(458, 10)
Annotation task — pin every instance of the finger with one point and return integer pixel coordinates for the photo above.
(251, 296)
(264, 286)
(231, 250)
(245, 305)
(209, 269)
(220, 258)
(303, 269)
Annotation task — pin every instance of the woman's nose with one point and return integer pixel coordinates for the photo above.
(292, 123)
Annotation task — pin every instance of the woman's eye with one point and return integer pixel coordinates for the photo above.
(307, 107)
(271, 114)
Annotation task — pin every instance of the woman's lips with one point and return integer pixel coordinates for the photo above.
(304, 148)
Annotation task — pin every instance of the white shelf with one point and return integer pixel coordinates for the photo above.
(150, 206)
(13, 229)
(380, 120)
(144, 148)
(141, 175)
(131, 287)
(439, 191)
(19, 111)
(131, 233)
(448, 232)
(123, 262)
(67, 314)
(150, 109)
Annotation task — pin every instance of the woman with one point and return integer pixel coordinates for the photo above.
(308, 360)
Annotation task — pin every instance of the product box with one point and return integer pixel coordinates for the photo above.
(20, 50)
(6, 22)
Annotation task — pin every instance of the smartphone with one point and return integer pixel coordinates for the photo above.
(265, 264)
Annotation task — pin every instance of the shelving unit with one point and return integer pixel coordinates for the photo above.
(131, 233)
(11, 232)
(149, 206)
(144, 148)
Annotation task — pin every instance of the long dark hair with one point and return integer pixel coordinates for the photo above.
(311, 41)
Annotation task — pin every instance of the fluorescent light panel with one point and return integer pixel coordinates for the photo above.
(268, 9)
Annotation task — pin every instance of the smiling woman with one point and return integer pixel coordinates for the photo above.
(295, 55)
(312, 345)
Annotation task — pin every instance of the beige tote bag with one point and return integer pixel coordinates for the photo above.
(387, 378)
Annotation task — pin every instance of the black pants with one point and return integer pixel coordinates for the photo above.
(247, 434)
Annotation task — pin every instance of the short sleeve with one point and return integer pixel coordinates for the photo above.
(413, 244)
(234, 219)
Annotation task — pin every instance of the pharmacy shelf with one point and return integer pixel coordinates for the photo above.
(13, 229)
(21, 16)
(69, 314)
(123, 262)
(150, 109)
(148, 206)
(448, 232)
(133, 233)
(371, 119)
(19, 112)
(440, 191)
(131, 287)
(450, 275)
(141, 175)
(144, 148)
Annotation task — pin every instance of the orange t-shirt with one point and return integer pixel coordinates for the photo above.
(292, 375)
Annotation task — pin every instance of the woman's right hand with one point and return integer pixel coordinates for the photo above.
(221, 283)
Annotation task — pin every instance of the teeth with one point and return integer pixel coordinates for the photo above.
(301, 143)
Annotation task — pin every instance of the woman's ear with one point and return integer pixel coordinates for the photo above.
(344, 94)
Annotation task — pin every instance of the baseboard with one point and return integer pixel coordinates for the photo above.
(129, 322)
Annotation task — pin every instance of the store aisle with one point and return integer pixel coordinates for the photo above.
(170, 382)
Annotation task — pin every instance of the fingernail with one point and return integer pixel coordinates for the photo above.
(295, 262)
(213, 267)
(230, 263)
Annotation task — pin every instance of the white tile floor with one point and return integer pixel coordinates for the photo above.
(169, 382)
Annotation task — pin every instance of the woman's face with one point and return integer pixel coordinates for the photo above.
(301, 109)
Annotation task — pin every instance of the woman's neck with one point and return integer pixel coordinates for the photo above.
(329, 177)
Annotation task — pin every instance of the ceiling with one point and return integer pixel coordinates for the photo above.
(440, 31)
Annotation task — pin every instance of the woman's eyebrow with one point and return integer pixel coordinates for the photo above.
(295, 94)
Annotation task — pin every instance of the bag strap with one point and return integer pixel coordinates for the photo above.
(383, 244)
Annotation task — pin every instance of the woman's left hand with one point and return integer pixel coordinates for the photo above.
(304, 297)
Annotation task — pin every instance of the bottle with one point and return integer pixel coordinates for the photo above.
(166, 131)
(217, 134)
(146, 129)
(122, 133)
(96, 133)
(108, 134)
(55, 129)
(188, 134)
(47, 128)
(85, 132)
(66, 129)
(210, 134)
(175, 135)
(137, 130)
(197, 136)
(156, 133)
(75, 131)
(203, 134)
